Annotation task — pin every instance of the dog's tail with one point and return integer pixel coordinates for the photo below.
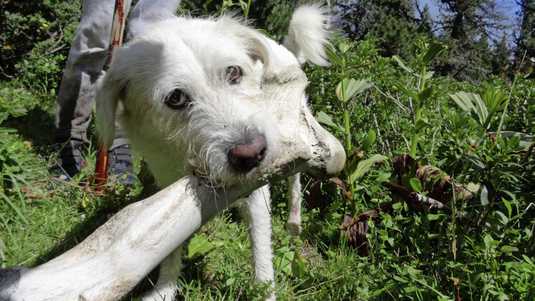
(308, 34)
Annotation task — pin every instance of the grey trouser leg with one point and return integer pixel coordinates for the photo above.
(84, 66)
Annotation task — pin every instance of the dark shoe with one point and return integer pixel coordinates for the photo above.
(120, 166)
(70, 160)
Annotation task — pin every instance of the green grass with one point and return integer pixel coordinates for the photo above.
(482, 248)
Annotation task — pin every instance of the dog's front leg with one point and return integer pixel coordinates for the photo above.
(259, 218)
(294, 204)
(166, 288)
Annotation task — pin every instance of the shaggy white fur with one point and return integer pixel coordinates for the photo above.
(188, 91)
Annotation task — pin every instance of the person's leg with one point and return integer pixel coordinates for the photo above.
(85, 64)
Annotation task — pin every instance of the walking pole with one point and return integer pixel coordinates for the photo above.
(117, 32)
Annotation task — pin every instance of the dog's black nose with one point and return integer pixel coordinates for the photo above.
(244, 157)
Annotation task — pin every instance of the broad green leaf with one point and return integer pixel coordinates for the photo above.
(508, 206)
(414, 144)
(230, 281)
(473, 187)
(416, 185)
(283, 260)
(494, 98)
(503, 219)
(402, 64)
(433, 50)
(383, 177)
(481, 109)
(333, 55)
(508, 249)
(428, 75)
(462, 101)
(325, 119)
(299, 265)
(434, 217)
(199, 245)
(350, 87)
(425, 94)
(343, 47)
(364, 166)
(490, 243)
(371, 137)
(472, 103)
(528, 260)
(407, 91)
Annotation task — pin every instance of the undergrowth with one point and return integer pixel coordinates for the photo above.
(474, 138)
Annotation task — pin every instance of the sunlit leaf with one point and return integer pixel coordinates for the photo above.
(425, 94)
(428, 75)
(415, 184)
(508, 206)
(508, 249)
(402, 64)
(371, 138)
(349, 87)
(325, 119)
(364, 166)
(472, 103)
(344, 47)
(433, 50)
(199, 245)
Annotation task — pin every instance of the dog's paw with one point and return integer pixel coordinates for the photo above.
(294, 228)
(167, 293)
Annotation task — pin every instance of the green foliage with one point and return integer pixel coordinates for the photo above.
(526, 42)
(34, 45)
(409, 111)
(271, 15)
(380, 106)
(391, 22)
(15, 101)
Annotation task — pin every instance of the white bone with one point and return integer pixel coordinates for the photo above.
(112, 260)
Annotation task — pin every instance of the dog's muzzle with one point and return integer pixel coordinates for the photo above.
(246, 156)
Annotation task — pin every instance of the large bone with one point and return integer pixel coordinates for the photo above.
(112, 260)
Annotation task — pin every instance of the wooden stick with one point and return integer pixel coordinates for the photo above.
(117, 33)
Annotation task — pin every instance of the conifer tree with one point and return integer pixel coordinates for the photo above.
(501, 57)
(467, 27)
(526, 41)
(425, 22)
(391, 22)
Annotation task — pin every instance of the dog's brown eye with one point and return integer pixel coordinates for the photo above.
(177, 100)
(234, 74)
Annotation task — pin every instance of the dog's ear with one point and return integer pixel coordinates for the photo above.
(107, 99)
(308, 34)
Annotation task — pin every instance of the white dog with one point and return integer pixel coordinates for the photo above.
(198, 96)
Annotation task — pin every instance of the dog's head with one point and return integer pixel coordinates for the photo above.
(217, 98)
